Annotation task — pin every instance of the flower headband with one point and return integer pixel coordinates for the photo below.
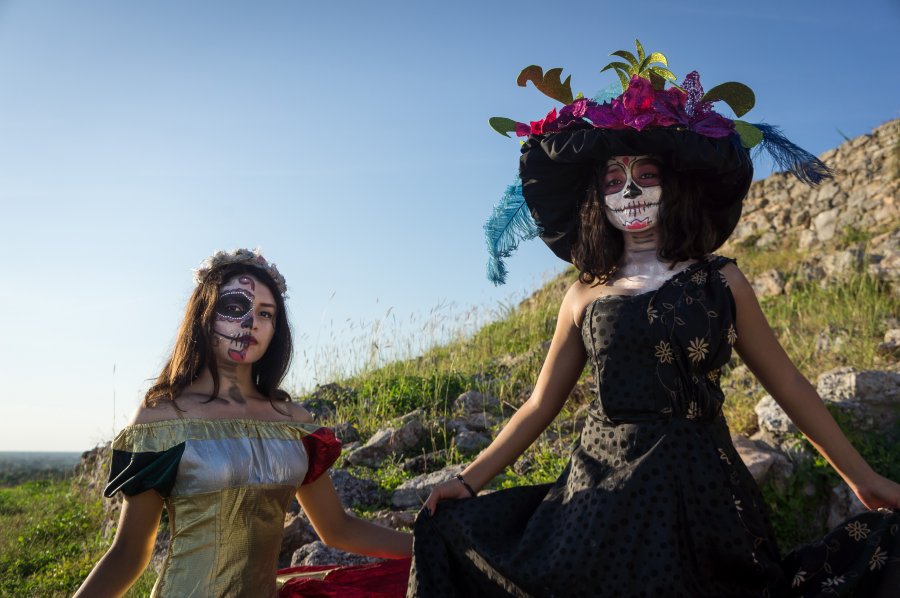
(644, 104)
(239, 256)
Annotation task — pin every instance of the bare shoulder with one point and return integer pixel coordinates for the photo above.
(161, 411)
(299, 413)
(737, 282)
(577, 298)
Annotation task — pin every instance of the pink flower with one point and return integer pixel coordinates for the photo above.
(669, 106)
(539, 127)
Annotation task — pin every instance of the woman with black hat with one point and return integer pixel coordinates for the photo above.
(637, 193)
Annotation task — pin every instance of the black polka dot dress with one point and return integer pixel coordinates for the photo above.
(655, 500)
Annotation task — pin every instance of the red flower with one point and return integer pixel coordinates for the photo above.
(539, 127)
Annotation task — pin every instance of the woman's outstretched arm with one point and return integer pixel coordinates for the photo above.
(131, 549)
(763, 354)
(561, 370)
(342, 530)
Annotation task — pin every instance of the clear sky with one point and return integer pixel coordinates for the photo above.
(349, 140)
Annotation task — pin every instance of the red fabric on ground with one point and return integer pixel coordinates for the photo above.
(387, 579)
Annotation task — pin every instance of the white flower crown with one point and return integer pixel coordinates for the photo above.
(240, 256)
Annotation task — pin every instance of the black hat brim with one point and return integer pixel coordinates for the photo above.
(556, 169)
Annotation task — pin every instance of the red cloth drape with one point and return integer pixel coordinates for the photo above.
(386, 579)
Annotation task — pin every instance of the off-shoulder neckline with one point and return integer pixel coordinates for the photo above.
(222, 420)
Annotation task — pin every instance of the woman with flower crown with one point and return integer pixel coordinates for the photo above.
(637, 193)
(221, 447)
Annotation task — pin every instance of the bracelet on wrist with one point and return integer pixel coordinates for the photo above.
(465, 484)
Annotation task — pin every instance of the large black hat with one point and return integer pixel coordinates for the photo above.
(676, 124)
(556, 169)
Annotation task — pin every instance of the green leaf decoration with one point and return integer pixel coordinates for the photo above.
(617, 65)
(662, 72)
(627, 56)
(658, 57)
(644, 65)
(738, 96)
(750, 135)
(504, 126)
(624, 79)
(547, 83)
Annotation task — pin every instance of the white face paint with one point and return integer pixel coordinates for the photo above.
(632, 192)
(244, 320)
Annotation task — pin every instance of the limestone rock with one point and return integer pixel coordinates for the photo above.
(412, 493)
(389, 441)
(354, 491)
(768, 284)
(842, 504)
(319, 553)
(475, 402)
(468, 442)
(297, 533)
(871, 398)
(762, 460)
(400, 520)
(346, 433)
(891, 345)
(772, 419)
(425, 462)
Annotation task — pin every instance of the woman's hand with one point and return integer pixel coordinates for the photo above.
(452, 488)
(878, 493)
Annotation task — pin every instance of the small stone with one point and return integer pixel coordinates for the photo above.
(346, 432)
(469, 443)
(824, 224)
(772, 417)
(475, 402)
(843, 504)
(768, 284)
(318, 553)
(412, 493)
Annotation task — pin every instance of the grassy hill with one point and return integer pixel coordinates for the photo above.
(51, 531)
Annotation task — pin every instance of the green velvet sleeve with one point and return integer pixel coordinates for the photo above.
(136, 472)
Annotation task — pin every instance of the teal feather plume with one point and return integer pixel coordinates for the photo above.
(510, 224)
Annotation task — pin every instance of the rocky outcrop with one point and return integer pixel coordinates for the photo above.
(848, 224)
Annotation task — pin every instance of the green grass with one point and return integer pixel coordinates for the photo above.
(50, 536)
(504, 357)
(51, 540)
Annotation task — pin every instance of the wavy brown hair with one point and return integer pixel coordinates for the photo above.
(686, 231)
(193, 345)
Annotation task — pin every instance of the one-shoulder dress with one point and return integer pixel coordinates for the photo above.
(655, 501)
(227, 484)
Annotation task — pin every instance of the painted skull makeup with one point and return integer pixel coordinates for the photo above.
(244, 319)
(631, 186)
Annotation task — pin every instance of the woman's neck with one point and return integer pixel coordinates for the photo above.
(235, 383)
(640, 267)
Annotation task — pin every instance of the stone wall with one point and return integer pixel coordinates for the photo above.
(863, 195)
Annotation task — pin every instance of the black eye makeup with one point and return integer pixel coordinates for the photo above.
(234, 304)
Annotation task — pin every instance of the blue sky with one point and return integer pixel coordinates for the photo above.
(349, 140)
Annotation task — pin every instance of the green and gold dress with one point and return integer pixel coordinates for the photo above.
(227, 484)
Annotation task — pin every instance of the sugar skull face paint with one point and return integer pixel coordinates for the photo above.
(244, 320)
(632, 191)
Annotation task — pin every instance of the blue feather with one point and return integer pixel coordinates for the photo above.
(610, 92)
(792, 158)
(510, 224)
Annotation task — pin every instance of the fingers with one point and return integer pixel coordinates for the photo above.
(443, 491)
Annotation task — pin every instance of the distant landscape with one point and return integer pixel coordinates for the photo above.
(19, 467)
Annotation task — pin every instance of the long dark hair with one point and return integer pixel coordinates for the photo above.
(685, 229)
(193, 346)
